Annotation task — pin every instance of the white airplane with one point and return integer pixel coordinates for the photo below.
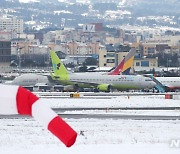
(170, 83)
(101, 82)
(29, 79)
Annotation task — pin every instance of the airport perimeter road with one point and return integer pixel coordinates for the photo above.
(114, 116)
(101, 116)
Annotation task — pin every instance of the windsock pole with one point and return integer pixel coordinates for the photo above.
(18, 100)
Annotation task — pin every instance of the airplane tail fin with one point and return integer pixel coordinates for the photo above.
(58, 67)
(118, 69)
(125, 65)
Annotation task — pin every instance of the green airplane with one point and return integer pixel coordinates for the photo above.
(102, 82)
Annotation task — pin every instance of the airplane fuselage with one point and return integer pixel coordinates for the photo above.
(29, 80)
(170, 82)
(120, 82)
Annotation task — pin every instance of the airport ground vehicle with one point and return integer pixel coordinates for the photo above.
(41, 87)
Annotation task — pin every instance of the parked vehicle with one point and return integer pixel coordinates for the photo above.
(41, 87)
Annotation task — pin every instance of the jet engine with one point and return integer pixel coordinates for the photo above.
(104, 87)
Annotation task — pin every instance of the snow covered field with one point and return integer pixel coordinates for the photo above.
(107, 136)
(120, 101)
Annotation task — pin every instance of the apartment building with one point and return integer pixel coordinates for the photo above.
(78, 48)
(11, 24)
(149, 49)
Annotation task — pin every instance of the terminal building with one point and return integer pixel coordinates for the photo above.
(145, 64)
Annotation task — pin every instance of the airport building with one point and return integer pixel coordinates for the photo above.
(5, 55)
(145, 64)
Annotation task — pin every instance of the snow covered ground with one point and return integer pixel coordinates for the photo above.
(107, 136)
(120, 101)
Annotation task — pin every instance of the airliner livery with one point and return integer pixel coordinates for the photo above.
(171, 83)
(125, 65)
(96, 80)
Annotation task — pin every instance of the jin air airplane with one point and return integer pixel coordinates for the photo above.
(103, 82)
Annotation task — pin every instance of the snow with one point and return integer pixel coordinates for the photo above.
(105, 149)
(28, 1)
(109, 102)
(106, 136)
(127, 112)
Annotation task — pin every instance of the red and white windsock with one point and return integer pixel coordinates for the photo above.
(18, 100)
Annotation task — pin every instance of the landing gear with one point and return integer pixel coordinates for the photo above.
(76, 88)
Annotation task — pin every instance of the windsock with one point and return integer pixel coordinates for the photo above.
(18, 100)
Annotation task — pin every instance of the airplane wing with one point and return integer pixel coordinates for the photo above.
(83, 82)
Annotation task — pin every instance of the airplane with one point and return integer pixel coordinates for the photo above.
(29, 79)
(101, 82)
(170, 83)
(125, 65)
(34, 82)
